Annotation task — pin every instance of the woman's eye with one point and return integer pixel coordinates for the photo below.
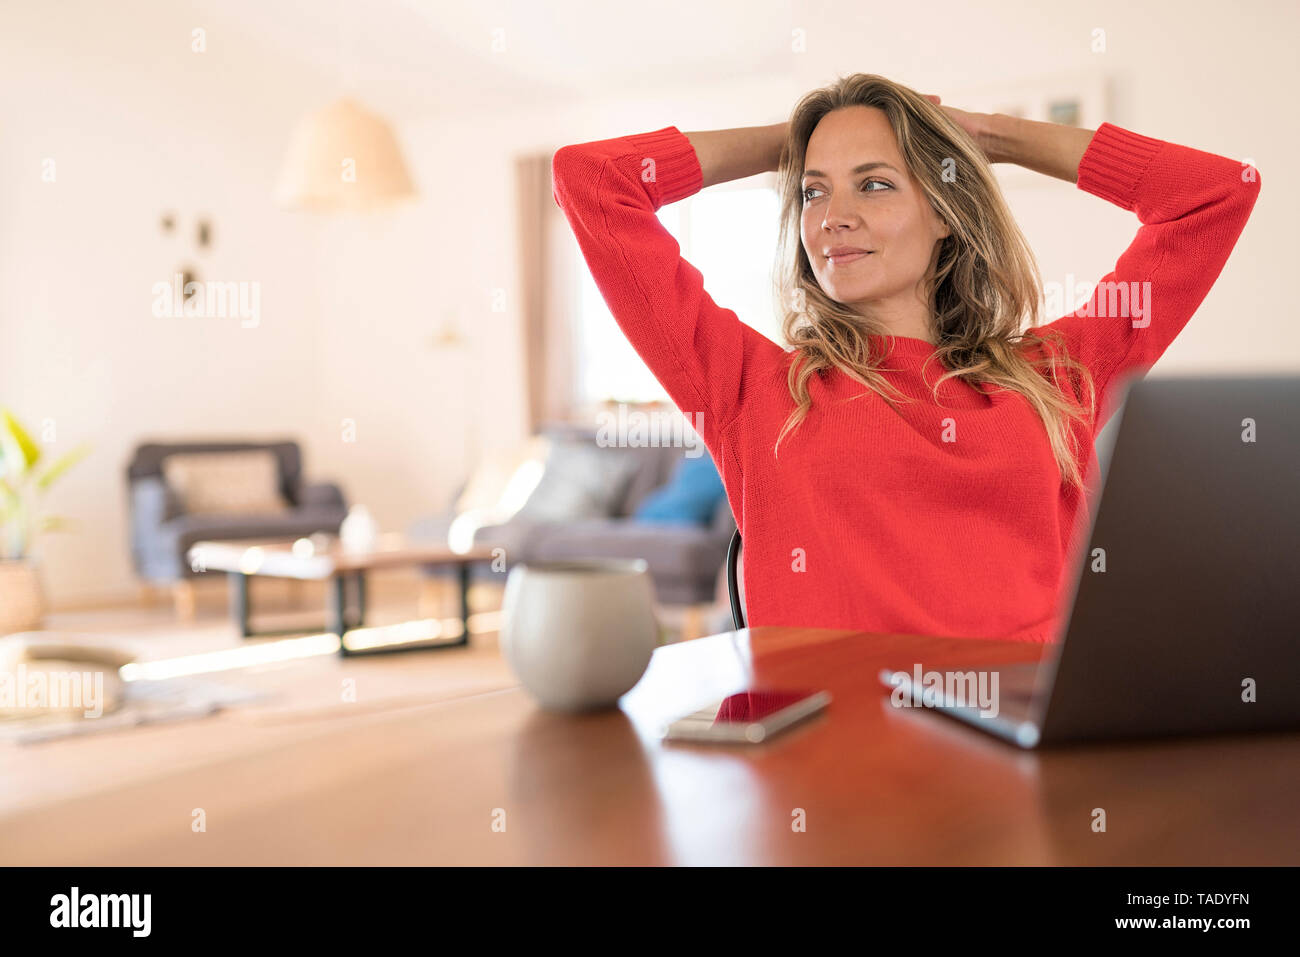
(877, 182)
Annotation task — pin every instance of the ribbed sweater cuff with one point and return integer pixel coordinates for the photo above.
(1114, 163)
(677, 172)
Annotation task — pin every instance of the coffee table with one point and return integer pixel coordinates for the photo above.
(322, 558)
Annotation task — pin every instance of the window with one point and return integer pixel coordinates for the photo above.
(730, 236)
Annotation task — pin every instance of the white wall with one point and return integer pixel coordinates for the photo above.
(138, 124)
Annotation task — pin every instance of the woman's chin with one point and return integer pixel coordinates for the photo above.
(846, 295)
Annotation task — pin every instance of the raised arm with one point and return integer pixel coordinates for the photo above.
(1192, 205)
(610, 191)
(725, 155)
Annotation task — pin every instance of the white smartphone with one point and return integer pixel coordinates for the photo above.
(747, 717)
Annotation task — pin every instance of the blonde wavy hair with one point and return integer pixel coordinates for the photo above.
(984, 291)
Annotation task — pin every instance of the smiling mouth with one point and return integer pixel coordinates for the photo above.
(845, 258)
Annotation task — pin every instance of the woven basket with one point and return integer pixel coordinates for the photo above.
(22, 604)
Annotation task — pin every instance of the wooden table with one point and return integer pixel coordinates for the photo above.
(305, 560)
(488, 778)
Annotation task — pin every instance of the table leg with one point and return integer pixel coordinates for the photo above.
(359, 580)
(239, 602)
(338, 613)
(338, 603)
(463, 568)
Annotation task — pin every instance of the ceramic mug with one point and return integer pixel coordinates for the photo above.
(579, 634)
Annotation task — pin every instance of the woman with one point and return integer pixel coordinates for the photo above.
(917, 463)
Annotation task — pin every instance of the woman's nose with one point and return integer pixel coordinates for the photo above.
(839, 212)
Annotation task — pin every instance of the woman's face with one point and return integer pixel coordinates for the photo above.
(878, 208)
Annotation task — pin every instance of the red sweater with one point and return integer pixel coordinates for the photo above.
(869, 519)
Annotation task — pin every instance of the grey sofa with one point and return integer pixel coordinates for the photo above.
(684, 560)
(161, 533)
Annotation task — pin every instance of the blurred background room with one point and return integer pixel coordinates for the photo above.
(391, 324)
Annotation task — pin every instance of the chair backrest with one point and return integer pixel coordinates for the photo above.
(148, 457)
(733, 586)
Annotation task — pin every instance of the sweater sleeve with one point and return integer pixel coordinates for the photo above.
(610, 191)
(1192, 206)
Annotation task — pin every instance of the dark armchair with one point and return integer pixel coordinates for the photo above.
(162, 533)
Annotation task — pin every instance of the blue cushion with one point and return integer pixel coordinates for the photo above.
(691, 496)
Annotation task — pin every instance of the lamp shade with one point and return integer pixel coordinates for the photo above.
(343, 158)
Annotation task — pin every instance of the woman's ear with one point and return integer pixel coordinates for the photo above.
(943, 232)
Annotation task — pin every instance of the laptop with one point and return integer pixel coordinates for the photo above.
(1185, 612)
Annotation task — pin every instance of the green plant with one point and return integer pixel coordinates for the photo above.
(21, 488)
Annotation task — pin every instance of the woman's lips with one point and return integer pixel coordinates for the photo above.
(845, 258)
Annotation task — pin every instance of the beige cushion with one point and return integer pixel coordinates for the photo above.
(498, 488)
(242, 483)
(495, 483)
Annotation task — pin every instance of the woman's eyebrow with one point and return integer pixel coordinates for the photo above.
(857, 169)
